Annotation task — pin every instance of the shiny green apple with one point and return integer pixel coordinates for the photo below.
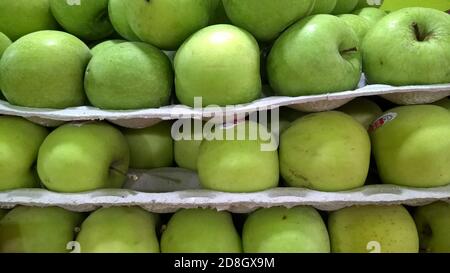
(378, 229)
(21, 17)
(266, 19)
(313, 47)
(283, 230)
(19, 145)
(220, 64)
(79, 157)
(38, 230)
(45, 69)
(129, 75)
(408, 47)
(166, 24)
(411, 144)
(200, 231)
(239, 163)
(88, 19)
(328, 151)
(119, 230)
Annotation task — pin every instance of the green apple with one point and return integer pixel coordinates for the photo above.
(407, 47)
(3, 212)
(45, 69)
(88, 20)
(79, 157)
(372, 14)
(21, 17)
(433, 224)
(283, 230)
(119, 230)
(151, 147)
(117, 10)
(38, 230)
(363, 229)
(238, 163)
(104, 45)
(220, 64)
(310, 49)
(328, 151)
(200, 231)
(5, 42)
(345, 6)
(324, 6)
(130, 75)
(266, 19)
(359, 24)
(369, 3)
(187, 148)
(166, 24)
(19, 145)
(411, 144)
(444, 103)
(362, 110)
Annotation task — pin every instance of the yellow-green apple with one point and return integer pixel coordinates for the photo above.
(379, 229)
(372, 14)
(408, 46)
(220, 64)
(166, 24)
(38, 230)
(239, 158)
(363, 110)
(294, 68)
(445, 102)
(119, 230)
(283, 230)
(19, 145)
(266, 19)
(186, 149)
(151, 147)
(117, 10)
(200, 231)
(45, 69)
(88, 20)
(104, 45)
(4, 43)
(345, 6)
(360, 25)
(129, 75)
(433, 224)
(79, 157)
(369, 3)
(21, 17)
(411, 146)
(328, 151)
(324, 6)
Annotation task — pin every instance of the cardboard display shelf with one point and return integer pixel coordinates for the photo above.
(169, 189)
(404, 95)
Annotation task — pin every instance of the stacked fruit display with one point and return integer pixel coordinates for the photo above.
(114, 55)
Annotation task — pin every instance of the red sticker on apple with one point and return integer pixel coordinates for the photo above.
(388, 117)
